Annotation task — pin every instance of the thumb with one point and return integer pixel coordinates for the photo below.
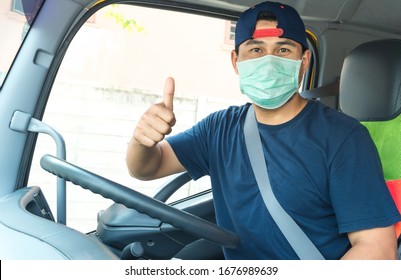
(168, 95)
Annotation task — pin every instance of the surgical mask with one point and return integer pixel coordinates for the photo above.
(269, 81)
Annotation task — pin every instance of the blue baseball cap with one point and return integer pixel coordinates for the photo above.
(289, 24)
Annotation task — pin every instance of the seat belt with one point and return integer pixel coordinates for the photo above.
(301, 244)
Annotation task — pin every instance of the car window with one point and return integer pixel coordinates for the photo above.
(113, 71)
(15, 23)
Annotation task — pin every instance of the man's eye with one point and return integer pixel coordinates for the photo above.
(283, 50)
(256, 50)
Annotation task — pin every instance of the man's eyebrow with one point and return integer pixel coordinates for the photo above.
(254, 42)
(279, 43)
(286, 42)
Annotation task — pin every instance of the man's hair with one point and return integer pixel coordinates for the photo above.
(266, 15)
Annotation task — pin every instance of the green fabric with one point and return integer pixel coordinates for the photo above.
(387, 138)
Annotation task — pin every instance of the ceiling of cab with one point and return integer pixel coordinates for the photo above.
(383, 15)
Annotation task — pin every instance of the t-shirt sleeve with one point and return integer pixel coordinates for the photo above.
(191, 148)
(358, 190)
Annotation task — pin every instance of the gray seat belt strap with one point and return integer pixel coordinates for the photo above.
(301, 244)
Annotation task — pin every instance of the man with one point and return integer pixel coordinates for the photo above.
(323, 166)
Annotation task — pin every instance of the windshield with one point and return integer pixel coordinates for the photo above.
(16, 17)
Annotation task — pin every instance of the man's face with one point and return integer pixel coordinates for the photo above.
(282, 47)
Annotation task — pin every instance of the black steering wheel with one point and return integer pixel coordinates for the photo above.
(140, 202)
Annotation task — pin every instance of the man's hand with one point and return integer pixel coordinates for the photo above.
(148, 157)
(158, 120)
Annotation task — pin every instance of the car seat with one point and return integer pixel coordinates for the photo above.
(370, 91)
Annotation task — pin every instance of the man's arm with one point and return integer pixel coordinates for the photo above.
(148, 155)
(372, 244)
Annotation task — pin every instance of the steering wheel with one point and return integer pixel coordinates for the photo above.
(140, 202)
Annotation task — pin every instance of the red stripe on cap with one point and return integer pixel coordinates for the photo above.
(268, 32)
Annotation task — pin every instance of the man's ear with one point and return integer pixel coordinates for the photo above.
(234, 59)
(305, 61)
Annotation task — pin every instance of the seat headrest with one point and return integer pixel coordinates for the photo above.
(370, 83)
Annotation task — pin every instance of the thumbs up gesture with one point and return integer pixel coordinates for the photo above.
(158, 120)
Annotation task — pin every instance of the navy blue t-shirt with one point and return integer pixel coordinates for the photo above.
(324, 170)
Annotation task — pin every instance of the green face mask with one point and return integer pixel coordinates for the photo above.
(269, 81)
